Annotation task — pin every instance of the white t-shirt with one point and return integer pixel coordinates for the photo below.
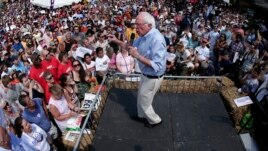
(37, 139)
(88, 66)
(100, 63)
(183, 56)
(202, 53)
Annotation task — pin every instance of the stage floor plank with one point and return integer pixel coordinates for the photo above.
(191, 122)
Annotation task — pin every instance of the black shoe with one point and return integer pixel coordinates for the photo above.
(138, 119)
(147, 124)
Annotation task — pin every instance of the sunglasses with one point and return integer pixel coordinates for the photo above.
(50, 77)
(76, 65)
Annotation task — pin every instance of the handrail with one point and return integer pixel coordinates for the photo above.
(180, 77)
(88, 115)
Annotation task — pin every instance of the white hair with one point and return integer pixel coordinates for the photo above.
(148, 18)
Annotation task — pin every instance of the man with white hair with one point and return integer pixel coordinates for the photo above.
(149, 49)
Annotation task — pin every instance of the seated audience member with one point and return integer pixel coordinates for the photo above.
(184, 58)
(80, 78)
(124, 62)
(65, 65)
(250, 82)
(34, 89)
(70, 89)
(60, 109)
(9, 141)
(102, 62)
(32, 136)
(35, 112)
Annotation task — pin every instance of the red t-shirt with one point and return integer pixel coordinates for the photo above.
(47, 93)
(51, 66)
(64, 68)
(37, 75)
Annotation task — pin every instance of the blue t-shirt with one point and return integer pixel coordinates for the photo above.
(37, 117)
(17, 46)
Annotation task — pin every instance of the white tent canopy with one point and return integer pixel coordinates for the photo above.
(57, 3)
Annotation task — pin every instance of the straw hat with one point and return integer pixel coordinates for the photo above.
(2, 103)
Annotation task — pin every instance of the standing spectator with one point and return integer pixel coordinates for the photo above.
(249, 59)
(213, 37)
(131, 33)
(77, 35)
(35, 112)
(202, 54)
(112, 56)
(102, 62)
(65, 65)
(49, 62)
(10, 112)
(184, 59)
(17, 65)
(9, 141)
(32, 136)
(31, 86)
(49, 82)
(70, 89)
(60, 108)
(36, 71)
(17, 46)
(68, 42)
(89, 64)
(80, 78)
(124, 62)
(250, 82)
(236, 47)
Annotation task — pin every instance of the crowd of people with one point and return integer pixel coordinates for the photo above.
(51, 58)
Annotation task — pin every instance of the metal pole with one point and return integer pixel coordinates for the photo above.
(88, 115)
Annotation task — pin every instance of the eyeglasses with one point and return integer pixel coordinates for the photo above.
(50, 77)
(76, 65)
